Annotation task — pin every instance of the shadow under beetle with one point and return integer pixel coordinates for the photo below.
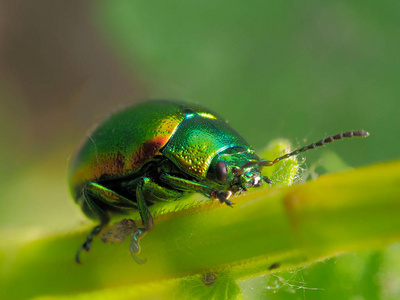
(161, 151)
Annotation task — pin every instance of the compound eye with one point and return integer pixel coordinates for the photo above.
(222, 172)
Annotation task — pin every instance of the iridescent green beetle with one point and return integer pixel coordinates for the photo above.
(162, 151)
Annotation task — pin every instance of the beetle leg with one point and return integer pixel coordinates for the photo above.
(94, 193)
(186, 185)
(109, 197)
(191, 186)
(223, 197)
(160, 192)
(267, 180)
(87, 244)
(147, 221)
(100, 214)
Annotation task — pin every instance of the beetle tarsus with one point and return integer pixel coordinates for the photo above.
(87, 244)
(267, 180)
(135, 244)
(223, 197)
(138, 260)
(77, 259)
(228, 202)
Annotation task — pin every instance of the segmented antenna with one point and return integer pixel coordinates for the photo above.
(330, 139)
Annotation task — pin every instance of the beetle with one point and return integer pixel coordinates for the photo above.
(161, 151)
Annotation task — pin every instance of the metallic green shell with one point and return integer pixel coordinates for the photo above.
(124, 142)
(188, 135)
(198, 140)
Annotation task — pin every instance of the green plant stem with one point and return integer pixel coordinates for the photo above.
(272, 228)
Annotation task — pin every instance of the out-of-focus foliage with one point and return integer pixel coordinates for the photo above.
(294, 70)
(297, 69)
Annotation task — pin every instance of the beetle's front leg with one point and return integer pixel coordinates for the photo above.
(192, 186)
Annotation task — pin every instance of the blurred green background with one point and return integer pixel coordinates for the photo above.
(294, 69)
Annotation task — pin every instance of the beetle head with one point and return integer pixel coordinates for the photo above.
(236, 169)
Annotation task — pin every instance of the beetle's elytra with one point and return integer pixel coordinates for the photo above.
(161, 151)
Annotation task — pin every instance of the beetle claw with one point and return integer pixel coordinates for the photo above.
(229, 203)
(85, 246)
(77, 259)
(223, 197)
(138, 260)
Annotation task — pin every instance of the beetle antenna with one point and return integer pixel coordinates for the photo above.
(330, 139)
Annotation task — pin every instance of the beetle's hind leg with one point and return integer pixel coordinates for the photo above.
(95, 194)
(87, 244)
(99, 214)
